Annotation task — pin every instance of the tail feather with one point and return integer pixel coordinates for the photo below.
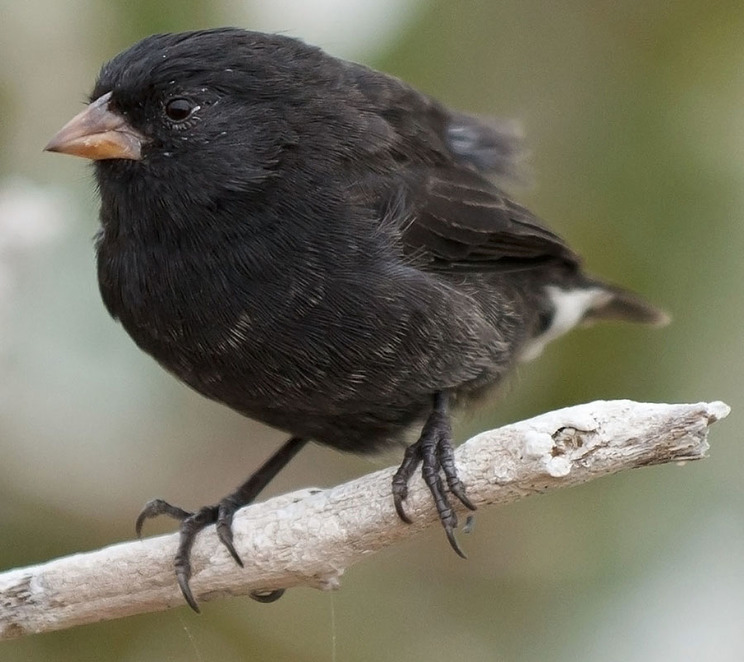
(623, 305)
(583, 304)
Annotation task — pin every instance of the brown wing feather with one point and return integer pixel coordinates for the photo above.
(459, 221)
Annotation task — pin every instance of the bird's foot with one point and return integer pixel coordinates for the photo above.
(434, 452)
(222, 516)
(191, 524)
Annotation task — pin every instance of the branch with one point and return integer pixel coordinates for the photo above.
(310, 537)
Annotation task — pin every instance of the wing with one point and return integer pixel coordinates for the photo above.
(450, 217)
(456, 220)
(422, 129)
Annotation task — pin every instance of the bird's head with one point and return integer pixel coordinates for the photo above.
(212, 109)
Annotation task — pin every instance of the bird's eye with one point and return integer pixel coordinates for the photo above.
(179, 109)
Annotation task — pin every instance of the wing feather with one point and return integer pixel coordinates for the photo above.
(458, 221)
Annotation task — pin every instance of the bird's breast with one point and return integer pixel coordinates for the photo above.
(188, 310)
(303, 342)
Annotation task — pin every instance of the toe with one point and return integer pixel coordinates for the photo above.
(157, 507)
(182, 575)
(453, 542)
(267, 596)
(399, 496)
(225, 533)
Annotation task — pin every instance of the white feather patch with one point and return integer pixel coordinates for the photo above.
(570, 307)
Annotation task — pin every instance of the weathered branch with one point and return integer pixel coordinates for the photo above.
(310, 537)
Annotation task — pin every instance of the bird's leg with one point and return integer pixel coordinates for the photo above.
(220, 514)
(433, 451)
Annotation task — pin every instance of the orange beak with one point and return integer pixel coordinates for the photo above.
(98, 133)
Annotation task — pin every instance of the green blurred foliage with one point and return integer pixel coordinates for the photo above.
(633, 115)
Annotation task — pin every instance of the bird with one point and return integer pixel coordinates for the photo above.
(320, 247)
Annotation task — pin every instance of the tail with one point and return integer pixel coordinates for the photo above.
(582, 304)
(618, 304)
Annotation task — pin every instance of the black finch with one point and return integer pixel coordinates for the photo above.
(319, 247)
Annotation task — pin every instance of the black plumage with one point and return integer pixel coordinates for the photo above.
(318, 246)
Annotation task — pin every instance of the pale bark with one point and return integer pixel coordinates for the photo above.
(310, 537)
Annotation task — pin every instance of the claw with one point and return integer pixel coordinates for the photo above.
(453, 542)
(183, 581)
(140, 521)
(157, 507)
(398, 503)
(267, 596)
(411, 460)
(225, 534)
(190, 528)
(433, 451)
(463, 498)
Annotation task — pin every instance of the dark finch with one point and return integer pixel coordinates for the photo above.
(317, 246)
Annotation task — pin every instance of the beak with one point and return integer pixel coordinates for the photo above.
(98, 133)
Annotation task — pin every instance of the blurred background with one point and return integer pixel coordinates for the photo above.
(633, 112)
